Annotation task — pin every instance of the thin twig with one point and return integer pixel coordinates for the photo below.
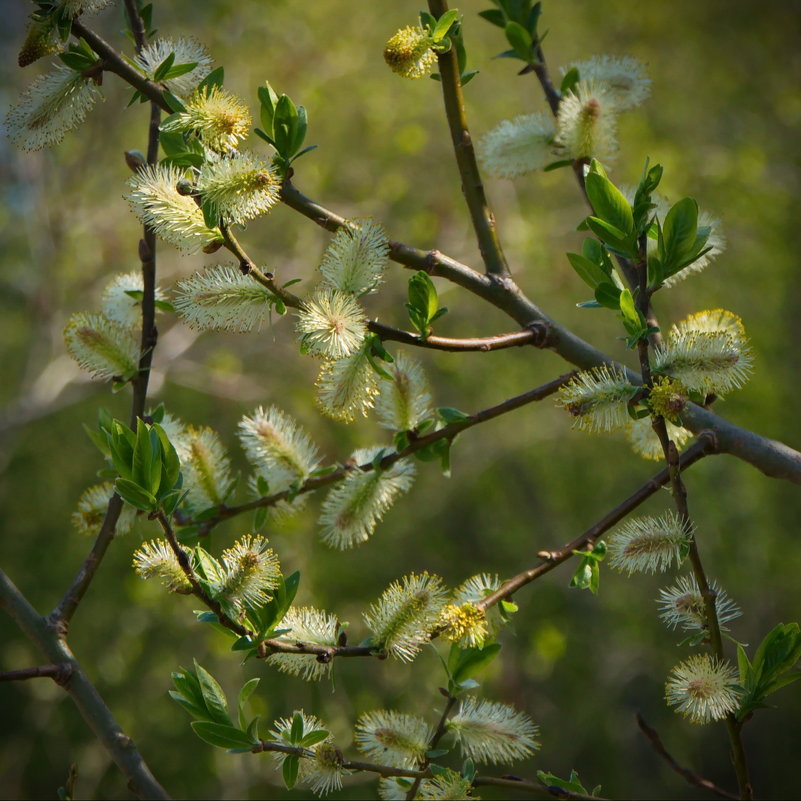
(773, 458)
(114, 62)
(550, 559)
(324, 653)
(679, 492)
(536, 335)
(439, 733)
(60, 673)
(416, 444)
(388, 771)
(481, 216)
(67, 606)
(691, 776)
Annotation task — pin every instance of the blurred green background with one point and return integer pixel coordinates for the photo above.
(723, 119)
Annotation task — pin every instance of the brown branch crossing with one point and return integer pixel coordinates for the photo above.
(691, 776)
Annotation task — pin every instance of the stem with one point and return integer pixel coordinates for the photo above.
(679, 492)
(416, 443)
(481, 216)
(60, 673)
(773, 458)
(439, 733)
(114, 62)
(66, 608)
(550, 559)
(49, 638)
(691, 776)
(186, 565)
(249, 267)
(532, 336)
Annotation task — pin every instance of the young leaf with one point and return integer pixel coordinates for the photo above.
(221, 735)
(213, 696)
(588, 271)
(290, 771)
(520, 39)
(247, 690)
(679, 233)
(609, 203)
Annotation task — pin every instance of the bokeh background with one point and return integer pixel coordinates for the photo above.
(723, 119)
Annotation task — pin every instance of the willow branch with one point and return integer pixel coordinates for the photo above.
(147, 253)
(515, 339)
(679, 492)
(60, 673)
(50, 641)
(550, 559)
(388, 771)
(186, 566)
(439, 733)
(113, 62)
(416, 443)
(773, 458)
(481, 216)
(691, 776)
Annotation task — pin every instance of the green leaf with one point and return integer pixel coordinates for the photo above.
(655, 274)
(555, 165)
(247, 690)
(451, 415)
(180, 69)
(444, 25)
(631, 317)
(189, 688)
(268, 99)
(572, 784)
(220, 735)
(642, 205)
(494, 16)
(175, 103)
(194, 711)
(608, 296)
(133, 494)
(611, 235)
(588, 271)
(213, 695)
(313, 737)
(609, 202)
(464, 663)
(214, 78)
(678, 234)
(163, 68)
(290, 770)
(569, 81)
(210, 214)
(171, 465)
(520, 39)
(76, 61)
(260, 518)
(296, 732)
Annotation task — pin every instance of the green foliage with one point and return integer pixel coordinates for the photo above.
(772, 667)
(572, 785)
(519, 20)
(588, 573)
(201, 695)
(149, 473)
(284, 126)
(423, 305)
(464, 663)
